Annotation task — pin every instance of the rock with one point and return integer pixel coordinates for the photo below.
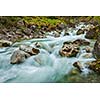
(94, 23)
(11, 33)
(69, 50)
(33, 27)
(26, 37)
(96, 49)
(59, 31)
(13, 29)
(93, 33)
(88, 55)
(4, 31)
(80, 31)
(20, 23)
(88, 49)
(71, 25)
(28, 49)
(81, 42)
(66, 34)
(39, 34)
(37, 44)
(9, 36)
(18, 56)
(35, 51)
(19, 31)
(61, 26)
(27, 31)
(22, 53)
(5, 43)
(74, 72)
(56, 34)
(95, 66)
(44, 46)
(89, 26)
(78, 66)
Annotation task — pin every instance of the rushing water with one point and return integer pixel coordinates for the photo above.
(48, 65)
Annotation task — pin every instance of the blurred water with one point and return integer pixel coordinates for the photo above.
(48, 65)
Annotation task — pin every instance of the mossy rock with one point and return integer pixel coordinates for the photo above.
(95, 66)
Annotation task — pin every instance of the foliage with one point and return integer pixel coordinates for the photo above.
(9, 21)
(43, 21)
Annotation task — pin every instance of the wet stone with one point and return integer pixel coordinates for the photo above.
(69, 50)
(93, 32)
(29, 49)
(88, 55)
(74, 72)
(18, 56)
(95, 66)
(78, 66)
(66, 34)
(80, 31)
(88, 49)
(61, 26)
(96, 49)
(23, 53)
(81, 42)
(5, 43)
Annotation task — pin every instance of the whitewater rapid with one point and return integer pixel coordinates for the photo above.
(48, 65)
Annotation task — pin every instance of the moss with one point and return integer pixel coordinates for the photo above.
(43, 21)
(96, 18)
(8, 21)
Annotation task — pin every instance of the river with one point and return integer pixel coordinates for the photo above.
(46, 67)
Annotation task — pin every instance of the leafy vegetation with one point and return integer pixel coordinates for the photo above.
(40, 21)
(43, 21)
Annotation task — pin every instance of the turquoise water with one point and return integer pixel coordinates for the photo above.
(48, 66)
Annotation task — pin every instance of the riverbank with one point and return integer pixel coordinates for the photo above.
(16, 28)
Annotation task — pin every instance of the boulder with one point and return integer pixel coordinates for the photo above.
(19, 31)
(81, 42)
(66, 33)
(71, 25)
(78, 66)
(96, 49)
(89, 26)
(74, 72)
(33, 27)
(93, 33)
(88, 49)
(69, 50)
(56, 34)
(18, 56)
(95, 66)
(61, 26)
(80, 31)
(5, 43)
(87, 55)
(28, 49)
(20, 23)
(27, 31)
(22, 53)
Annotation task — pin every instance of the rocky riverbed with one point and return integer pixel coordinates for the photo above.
(69, 55)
